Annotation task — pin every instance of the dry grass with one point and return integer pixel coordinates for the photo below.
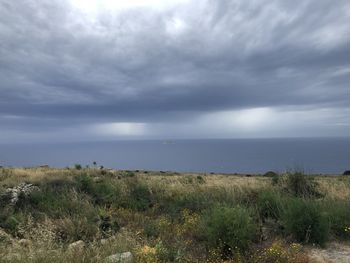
(336, 187)
(159, 215)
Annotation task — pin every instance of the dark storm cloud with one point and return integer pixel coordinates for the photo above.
(61, 68)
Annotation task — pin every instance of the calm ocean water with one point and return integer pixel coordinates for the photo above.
(228, 156)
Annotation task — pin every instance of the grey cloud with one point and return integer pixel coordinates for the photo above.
(59, 68)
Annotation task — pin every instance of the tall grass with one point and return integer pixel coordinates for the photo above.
(166, 217)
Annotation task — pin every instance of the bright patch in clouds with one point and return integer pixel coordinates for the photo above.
(120, 129)
(175, 26)
(252, 118)
(244, 120)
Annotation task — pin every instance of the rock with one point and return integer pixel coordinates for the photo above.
(347, 172)
(125, 257)
(21, 189)
(104, 241)
(97, 179)
(76, 247)
(25, 243)
(334, 253)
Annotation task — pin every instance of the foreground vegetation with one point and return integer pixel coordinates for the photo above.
(168, 217)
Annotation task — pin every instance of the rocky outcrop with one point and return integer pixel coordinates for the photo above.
(125, 257)
(334, 253)
(22, 189)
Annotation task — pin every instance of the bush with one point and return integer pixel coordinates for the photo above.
(270, 174)
(306, 222)
(151, 229)
(270, 205)
(193, 201)
(200, 179)
(84, 182)
(71, 229)
(166, 253)
(77, 166)
(103, 192)
(108, 224)
(55, 198)
(275, 179)
(339, 216)
(347, 172)
(129, 174)
(11, 223)
(139, 196)
(229, 228)
(301, 186)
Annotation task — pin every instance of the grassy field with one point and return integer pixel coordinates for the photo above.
(168, 217)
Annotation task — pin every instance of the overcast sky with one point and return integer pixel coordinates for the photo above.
(99, 70)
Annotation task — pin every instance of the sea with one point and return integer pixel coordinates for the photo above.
(312, 156)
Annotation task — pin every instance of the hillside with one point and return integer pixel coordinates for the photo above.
(88, 214)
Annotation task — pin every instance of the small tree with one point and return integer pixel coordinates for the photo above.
(77, 166)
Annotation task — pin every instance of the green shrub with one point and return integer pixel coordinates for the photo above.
(339, 216)
(186, 179)
(84, 183)
(302, 186)
(102, 192)
(71, 229)
(247, 196)
(108, 224)
(200, 179)
(270, 174)
(306, 222)
(270, 205)
(58, 184)
(139, 198)
(275, 179)
(229, 228)
(166, 253)
(151, 229)
(175, 203)
(106, 193)
(77, 166)
(11, 223)
(129, 174)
